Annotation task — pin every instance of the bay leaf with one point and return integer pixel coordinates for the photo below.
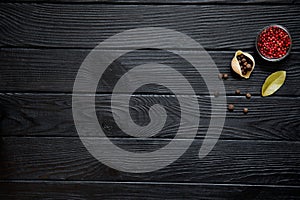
(273, 83)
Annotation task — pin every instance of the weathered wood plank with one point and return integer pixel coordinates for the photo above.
(54, 70)
(248, 162)
(155, 191)
(51, 115)
(162, 1)
(69, 25)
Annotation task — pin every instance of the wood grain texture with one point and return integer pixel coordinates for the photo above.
(257, 156)
(51, 115)
(248, 162)
(68, 25)
(161, 1)
(54, 70)
(154, 191)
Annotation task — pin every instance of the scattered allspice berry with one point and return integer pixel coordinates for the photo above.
(248, 95)
(225, 76)
(230, 107)
(245, 110)
(237, 91)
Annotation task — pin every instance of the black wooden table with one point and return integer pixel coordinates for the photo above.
(43, 44)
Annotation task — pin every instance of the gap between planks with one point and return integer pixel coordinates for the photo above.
(143, 183)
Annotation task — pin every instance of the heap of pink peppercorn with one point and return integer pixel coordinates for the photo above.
(274, 42)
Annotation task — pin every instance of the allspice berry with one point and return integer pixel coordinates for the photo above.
(248, 66)
(245, 110)
(225, 76)
(230, 107)
(248, 95)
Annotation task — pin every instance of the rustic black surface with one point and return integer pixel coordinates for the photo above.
(21, 117)
(43, 44)
(236, 162)
(107, 190)
(54, 70)
(85, 25)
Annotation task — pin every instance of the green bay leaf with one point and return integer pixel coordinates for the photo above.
(273, 83)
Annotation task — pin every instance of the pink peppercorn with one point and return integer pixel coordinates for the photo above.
(274, 42)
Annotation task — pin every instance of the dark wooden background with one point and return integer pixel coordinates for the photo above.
(43, 44)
